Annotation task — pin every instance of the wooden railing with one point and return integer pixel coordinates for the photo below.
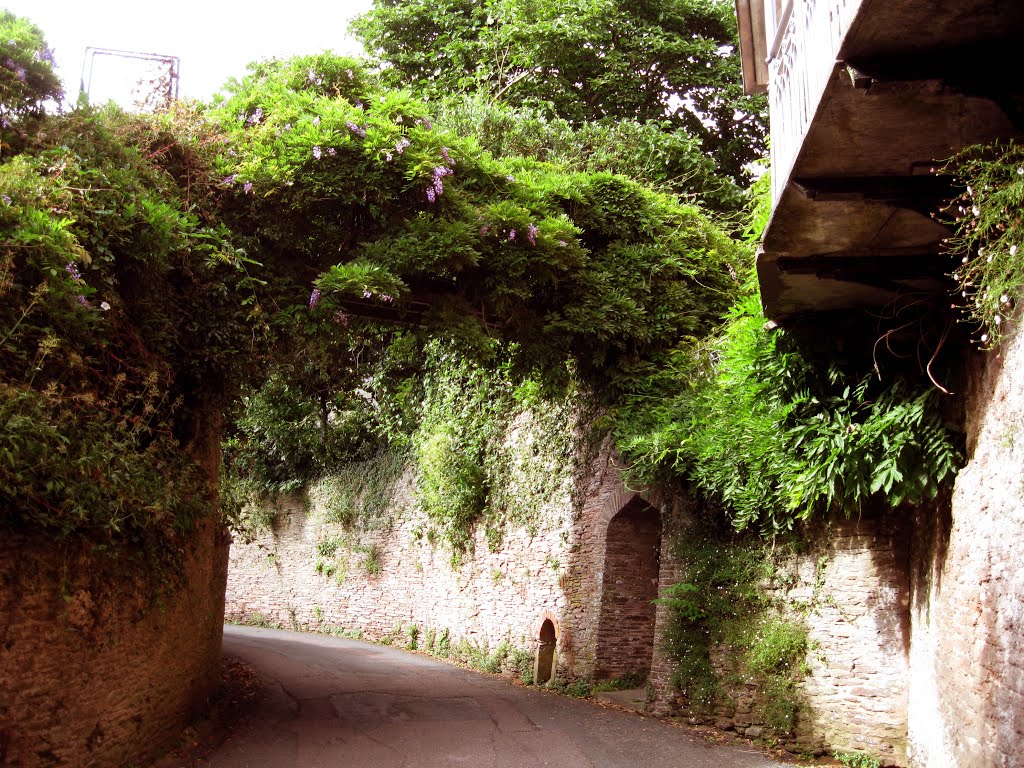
(801, 60)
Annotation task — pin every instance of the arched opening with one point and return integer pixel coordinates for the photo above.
(544, 669)
(625, 637)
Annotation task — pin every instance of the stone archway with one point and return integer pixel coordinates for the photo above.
(544, 666)
(625, 637)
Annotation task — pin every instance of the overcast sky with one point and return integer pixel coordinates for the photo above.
(214, 38)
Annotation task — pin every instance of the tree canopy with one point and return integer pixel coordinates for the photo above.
(584, 61)
(316, 246)
(153, 265)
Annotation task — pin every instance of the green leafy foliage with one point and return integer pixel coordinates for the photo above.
(724, 600)
(779, 432)
(27, 77)
(989, 232)
(659, 60)
(654, 153)
(118, 292)
(389, 213)
(469, 469)
(857, 760)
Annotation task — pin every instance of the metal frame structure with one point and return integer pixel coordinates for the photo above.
(91, 52)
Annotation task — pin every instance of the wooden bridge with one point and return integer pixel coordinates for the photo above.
(867, 98)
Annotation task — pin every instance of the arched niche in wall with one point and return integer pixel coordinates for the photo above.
(625, 636)
(546, 660)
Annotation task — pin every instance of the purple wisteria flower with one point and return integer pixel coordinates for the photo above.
(317, 152)
(314, 297)
(531, 234)
(386, 299)
(6, 199)
(367, 293)
(484, 230)
(83, 301)
(342, 318)
(401, 145)
(431, 195)
(255, 117)
(228, 180)
(46, 56)
(388, 156)
(356, 129)
(316, 120)
(332, 151)
(247, 187)
(511, 235)
(447, 157)
(439, 173)
(72, 269)
(17, 69)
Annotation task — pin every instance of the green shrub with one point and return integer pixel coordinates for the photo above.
(857, 760)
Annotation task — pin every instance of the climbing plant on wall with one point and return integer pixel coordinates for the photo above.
(781, 428)
(120, 293)
(989, 232)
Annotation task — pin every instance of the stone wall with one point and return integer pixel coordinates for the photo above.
(966, 701)
(857, 582)
(850, 588)
(552, 568)
(593, 573)
(913, 618)
(93, 673)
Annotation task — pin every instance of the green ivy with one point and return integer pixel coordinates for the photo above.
(119, 290)
(724, 600)
(989, 232)
(490, 451)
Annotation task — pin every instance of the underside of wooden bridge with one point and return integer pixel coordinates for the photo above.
(868, 99)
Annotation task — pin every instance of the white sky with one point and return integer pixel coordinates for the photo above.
(214, 38)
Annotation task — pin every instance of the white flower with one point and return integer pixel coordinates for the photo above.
(104, 306)
(997, 319)
(963, 260)
(1004, 299)
(976, 210)
(984, 338)
(1013, 250)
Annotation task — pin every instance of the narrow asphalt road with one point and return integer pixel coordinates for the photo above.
(336, 703)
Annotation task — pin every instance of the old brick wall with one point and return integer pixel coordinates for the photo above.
(851, 590)
(553, 568)
(625, 640)
(913, 617)
(93, 674)
(857, 580)
(966, 705)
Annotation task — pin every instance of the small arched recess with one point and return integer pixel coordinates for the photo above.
(544, 665)
(625, 637)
